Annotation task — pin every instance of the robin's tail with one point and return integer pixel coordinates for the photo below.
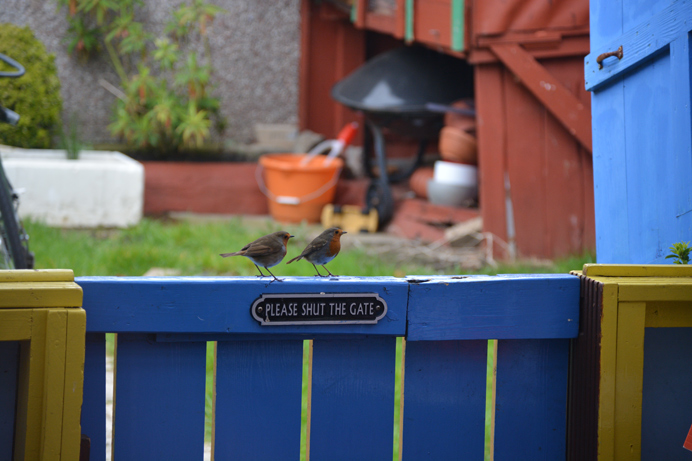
(226, 255)
(297, 258)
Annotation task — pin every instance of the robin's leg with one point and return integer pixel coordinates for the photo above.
(325, 268)
(278, 280)
(318, 272)
(260, 271)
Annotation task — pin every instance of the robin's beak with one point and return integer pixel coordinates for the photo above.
(344, 232)
(291, 236)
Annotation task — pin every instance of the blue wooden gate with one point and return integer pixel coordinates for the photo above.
(639, 75)
(165, 324)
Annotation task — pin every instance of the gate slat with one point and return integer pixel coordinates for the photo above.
(444, 400)
(353, 398)
(531, 399)
(94, 397)
(159, 399)
(258, 399)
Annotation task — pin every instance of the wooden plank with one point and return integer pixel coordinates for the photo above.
(15, 324)
(352, 378)
(668, 314)
(42, 275)
(74, 381)
(681, 139)
(568, 173)
(491, 119)
(222, 304)
(54, 384)
(526, 175)
(9, 367)
(610, 176)
(650, 209)
(667, 399)
(432, 23)
(639, 43)
(656, 292)
(40, 294)
(401, 364)
(444, 408)
(552, 93)
(258, 391)
(159, 405)
(490, 399)
(607, 380)
(30, 398)
(629, 371)
(307, 383)
(531, 386)
(502, 307)
(94, 396)
(637, 270)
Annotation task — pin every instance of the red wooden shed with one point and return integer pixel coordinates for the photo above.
(533, 114)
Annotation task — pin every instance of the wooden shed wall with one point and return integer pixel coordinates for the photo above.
(550, 175)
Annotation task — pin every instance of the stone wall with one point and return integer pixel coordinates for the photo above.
(255, 46)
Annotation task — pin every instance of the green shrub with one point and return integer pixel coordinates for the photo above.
(35, 96)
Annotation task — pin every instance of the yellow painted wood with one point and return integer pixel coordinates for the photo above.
(74, 384)
(115, 388)
(662, 314)
(42, 275)
(656, 292)
(32, 373)
(309, 401)
(53, 384)
(637, 270)
(15, 324)
(213, 405)
(40, 294)
(629, 380)
(402, 380)
(606, 403)
(491, 389)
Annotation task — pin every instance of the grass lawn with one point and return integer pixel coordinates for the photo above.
(193, 248)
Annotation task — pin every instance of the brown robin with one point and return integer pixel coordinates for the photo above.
(267, 251)
(323, 249)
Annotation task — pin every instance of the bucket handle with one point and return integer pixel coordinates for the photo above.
(288, 200)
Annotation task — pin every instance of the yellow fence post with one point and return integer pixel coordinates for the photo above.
(633, 297)
(42, 310)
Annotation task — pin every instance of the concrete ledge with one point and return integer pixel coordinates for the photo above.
(100, 189)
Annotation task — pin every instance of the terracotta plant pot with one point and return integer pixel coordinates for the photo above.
(419, 181)
(458, 146)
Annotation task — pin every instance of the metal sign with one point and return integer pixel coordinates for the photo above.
(318, 308)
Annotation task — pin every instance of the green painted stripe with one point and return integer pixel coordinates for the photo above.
(409, 21)
(458, 25)
(354, 11)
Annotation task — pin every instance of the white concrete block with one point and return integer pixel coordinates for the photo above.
(100, 189)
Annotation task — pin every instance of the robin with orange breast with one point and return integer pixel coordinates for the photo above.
(323, 249)
(267, 251)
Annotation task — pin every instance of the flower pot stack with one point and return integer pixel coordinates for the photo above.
(454, 180)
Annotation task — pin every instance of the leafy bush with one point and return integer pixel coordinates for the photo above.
(35, 96)
(164, 102)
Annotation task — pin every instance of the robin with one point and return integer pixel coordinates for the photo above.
(323, 249)
(267, 251)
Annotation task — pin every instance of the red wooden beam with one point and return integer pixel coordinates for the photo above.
(575, 117)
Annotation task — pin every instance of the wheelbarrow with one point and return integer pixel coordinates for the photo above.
(403, 92)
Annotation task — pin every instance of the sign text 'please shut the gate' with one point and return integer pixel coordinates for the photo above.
(318, 308)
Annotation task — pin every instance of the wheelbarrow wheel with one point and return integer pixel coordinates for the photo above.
(379, 197)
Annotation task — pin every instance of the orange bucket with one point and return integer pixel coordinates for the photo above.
(297, 190)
